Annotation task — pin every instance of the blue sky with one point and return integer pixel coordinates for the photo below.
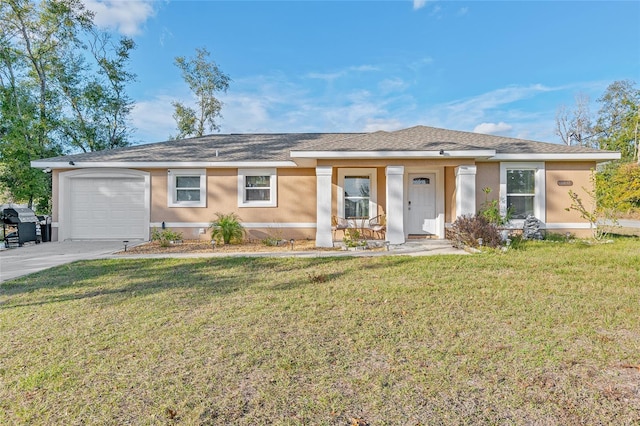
(499, 67)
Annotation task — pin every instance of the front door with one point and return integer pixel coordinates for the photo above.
(422, 204)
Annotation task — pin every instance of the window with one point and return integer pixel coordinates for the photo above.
(522, 188)
(521, 191)
(187, 188)
(357, 195)
(257, 188)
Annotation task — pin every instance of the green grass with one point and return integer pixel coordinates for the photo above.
(546, 334)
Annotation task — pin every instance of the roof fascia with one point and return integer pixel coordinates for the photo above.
(478, 153)
(584, 156)
(160, 164)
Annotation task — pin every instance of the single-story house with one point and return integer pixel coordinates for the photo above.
(295, 184)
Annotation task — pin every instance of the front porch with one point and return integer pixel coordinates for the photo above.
(418, 198)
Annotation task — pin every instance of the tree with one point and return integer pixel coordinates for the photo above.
(53, 98)
(619, 118)
(574, 127)
(205, 80)
(98, 103)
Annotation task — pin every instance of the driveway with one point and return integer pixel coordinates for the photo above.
(21, 261)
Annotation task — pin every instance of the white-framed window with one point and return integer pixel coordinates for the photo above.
(257, 188)
(357, 193)
(522, 189)
(187, 188)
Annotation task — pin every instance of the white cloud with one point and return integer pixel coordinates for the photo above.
(331, 76)
(126, 17)
(463, 11)
(389, 85)
(419, 4)
(388, 125)
(153, 119)
(475, 109)
(500, 128)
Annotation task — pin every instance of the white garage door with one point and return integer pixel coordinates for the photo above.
(107, 208)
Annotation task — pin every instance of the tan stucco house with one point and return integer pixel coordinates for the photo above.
(293, 185)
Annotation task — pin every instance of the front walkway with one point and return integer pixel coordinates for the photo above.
(410, 248)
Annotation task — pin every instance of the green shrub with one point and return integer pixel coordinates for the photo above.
(471, 231)
(353, 238)
(618, 187)
(227, 228)
(490, 210)
(165, 236)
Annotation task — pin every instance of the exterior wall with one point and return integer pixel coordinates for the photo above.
(295, 187)
(487, 176)
(558, 200)
(296, 195)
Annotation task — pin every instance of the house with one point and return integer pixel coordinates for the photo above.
(420, 178)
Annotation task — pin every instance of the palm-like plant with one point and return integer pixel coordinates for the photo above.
(226, 228)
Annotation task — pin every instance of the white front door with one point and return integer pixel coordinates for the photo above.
(421, 204)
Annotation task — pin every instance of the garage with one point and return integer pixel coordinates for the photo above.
(105, 206)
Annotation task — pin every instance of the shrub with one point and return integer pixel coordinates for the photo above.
(165, 236)
(468, 230)
(273, 238)
(353, 238)
(271, 241)
(227, 228)
(490, 210)
(618, 187)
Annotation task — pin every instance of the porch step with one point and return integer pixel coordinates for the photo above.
(421, 236)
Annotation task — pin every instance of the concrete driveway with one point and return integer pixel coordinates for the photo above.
(21, 261)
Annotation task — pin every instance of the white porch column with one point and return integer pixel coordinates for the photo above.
(395, 204)
(323, 206)
(465, 190)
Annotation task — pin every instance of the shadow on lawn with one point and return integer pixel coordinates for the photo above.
(113, 281)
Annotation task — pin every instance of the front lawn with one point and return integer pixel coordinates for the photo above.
(548, 334)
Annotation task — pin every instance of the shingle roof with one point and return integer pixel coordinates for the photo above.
(277, 147)
(422, 138)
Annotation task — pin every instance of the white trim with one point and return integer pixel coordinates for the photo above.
(324, 174)
(481, 155)
(465, 189)
(373, 194)
(64, 194)
(559, 156)
(244, 224)
(485, 153)
(539, 198)
(160, 164)
(173, 174)
(273, 187)
(575, 225)
(395, 193)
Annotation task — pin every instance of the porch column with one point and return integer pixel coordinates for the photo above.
(465, 190)
(323, 206)
(395, 204)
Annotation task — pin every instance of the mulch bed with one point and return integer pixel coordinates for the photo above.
(204, 246)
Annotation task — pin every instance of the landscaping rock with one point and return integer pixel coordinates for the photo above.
(532, 229)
